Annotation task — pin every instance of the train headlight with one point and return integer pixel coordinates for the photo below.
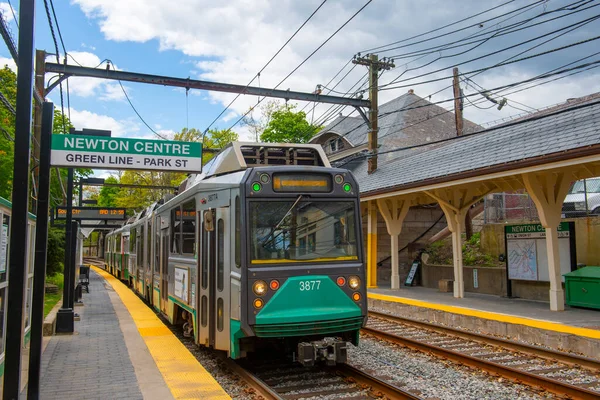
(259, 288)
(274, 285)
(356, 296)
(354, 282)
(258, 303)
(341, 281)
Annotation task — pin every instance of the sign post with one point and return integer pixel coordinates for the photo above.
(75, 151)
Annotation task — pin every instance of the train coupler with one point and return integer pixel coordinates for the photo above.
(331, 351)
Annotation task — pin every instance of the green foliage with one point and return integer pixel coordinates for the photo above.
(440, 252)
(8, 87)
(57, 279)
(108, 195)
(56, 251)
(288, 126)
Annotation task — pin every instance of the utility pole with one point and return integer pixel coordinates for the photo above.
(372, 61)
(458, 104)
(40, 72)
(458, 117)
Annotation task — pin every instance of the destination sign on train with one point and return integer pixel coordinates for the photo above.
(99, 152)
(92, 213)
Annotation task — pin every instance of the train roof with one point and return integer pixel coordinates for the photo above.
(239, 156)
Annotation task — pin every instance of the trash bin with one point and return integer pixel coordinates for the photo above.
(583, 287)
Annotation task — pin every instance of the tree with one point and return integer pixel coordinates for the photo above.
(8, 87)
(288, 126)
(214, 139)
(108, 194)
(258, 125)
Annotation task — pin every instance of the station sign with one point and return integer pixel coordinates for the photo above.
(92, 213)
(98, 152)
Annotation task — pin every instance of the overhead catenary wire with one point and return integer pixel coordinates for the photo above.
(381, 48)
(388, 86)
(268, 63)
(309, 56)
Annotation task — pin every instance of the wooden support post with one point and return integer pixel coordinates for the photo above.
(455, 204)
(394, 212)
(548, 191)
(372, 245)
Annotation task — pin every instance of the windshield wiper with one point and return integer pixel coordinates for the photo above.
(264, 243)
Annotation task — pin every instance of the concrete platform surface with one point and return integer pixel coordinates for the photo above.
(107, 357)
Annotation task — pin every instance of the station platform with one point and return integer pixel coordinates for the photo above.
(575, 329)
(121, 350)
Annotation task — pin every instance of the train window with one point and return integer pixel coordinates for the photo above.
(238, 230)
(140, 248)
(132, 237)
(221, 256)
(118, 243)
(157, 246)
(204, 253)
(4, 246)
(204, 311)
(175, 230)
(149, 243)
(188, 227)
(302, 230)
(220, 314)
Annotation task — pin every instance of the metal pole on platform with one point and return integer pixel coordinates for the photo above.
(65, 318)
(41, 245)
(20, 201)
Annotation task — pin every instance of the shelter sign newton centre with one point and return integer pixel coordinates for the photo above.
(99, 152)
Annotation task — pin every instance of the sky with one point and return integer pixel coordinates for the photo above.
(230, 41)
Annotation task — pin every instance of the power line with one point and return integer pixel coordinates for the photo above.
(267, 64)
(307, 58)
(385, 87)
(574, 26)
(12, 10)
(380, 48)
(138, 114)
(502, 32)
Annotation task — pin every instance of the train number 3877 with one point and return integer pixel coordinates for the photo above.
(309, 285)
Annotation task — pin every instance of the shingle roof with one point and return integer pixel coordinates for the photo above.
(578, 127)
(403, 121)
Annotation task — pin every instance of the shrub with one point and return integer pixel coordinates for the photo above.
(56, 251)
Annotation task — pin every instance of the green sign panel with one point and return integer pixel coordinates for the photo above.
(123, 153)
(533, 231)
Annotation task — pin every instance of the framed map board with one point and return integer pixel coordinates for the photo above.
(526, 252)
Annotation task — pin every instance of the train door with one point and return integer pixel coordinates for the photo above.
(205, 278)
(164, 269)
(223, 280)
(213, 279)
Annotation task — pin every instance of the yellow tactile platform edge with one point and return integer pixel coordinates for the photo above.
(534, 323)
(184, 375)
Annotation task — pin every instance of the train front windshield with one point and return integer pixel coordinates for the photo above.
(300, 230)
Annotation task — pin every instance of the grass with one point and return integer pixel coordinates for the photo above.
(50, 299)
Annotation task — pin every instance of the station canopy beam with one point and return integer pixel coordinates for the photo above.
(73, 70)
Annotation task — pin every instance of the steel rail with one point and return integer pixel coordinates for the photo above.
(254, 381)
(513, 374)
(378, 386)
(553, 355)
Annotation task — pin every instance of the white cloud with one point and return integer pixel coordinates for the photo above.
(232, 40)
(92, 87)
(229, 116)
(8, 61)
(114, 92)
(119, 128)
(7, 12)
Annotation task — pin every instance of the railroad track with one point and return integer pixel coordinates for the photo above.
(291, 381)
(557, 372)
